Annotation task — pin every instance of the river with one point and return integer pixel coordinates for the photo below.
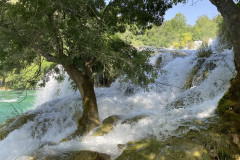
(13, 103)
(188, 88)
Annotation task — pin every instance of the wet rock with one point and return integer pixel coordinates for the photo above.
(235, 139)
(199, 73)
(179, 103)
(158, 62)
(25, 158)
(213, 154)
(149, 149)
(186, 99)
(195, 70)
(134, 119)
(205, 144)
(107, 125)
(129, 91)
(15, 123)
(146, 149)
(183, 151)
(121, 146)
(76, 155)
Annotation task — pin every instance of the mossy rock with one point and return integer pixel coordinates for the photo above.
(4, 130)
(71, 155)
(152, 149)
(199, 73)
(146, 149)
(229, 108)
(179, 103)
(218, 145)
(230, 122)
(26, 158)
(225, 103)
(134, 119)
(15, 123)
(158, 62)
(107, 125)
(194, 71)
(195, 145)
(183, 151)
(179, 54)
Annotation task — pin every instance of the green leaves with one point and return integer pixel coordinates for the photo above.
(173, 33)
(78, 32)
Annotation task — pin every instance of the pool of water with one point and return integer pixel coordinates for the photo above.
(13, 103)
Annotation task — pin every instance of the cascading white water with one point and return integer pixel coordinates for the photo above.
(163, 116)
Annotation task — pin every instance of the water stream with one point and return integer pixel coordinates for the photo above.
(13, 103)
(167, 107)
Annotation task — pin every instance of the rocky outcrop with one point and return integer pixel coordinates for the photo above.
(134, 119)
(15, 123)
(26, 158)
(106, 126)
(71, 155)
(195, 145)
(199, 73)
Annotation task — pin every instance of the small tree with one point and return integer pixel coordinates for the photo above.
(79, 35)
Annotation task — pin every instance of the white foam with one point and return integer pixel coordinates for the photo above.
(9, 100)
(55, 119)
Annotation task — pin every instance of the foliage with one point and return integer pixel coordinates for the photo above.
(204, 51)
(173, 33)
(77, 32)
(28, 77)
(205, 28)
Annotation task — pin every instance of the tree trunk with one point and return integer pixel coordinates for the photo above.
(231, 15)
(229, 105)
(85, 84)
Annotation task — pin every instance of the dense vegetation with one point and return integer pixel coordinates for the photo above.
(25, 78)
(175, 33)
(81, 36)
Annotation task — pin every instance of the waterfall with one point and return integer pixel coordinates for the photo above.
(168, 108)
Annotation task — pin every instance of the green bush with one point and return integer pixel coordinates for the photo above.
(204, 51)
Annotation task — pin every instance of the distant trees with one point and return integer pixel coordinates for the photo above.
(205, 28)
(26, 78)
(175, 32)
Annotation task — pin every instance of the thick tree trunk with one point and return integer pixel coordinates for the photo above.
(231, 15)
(85, 84)
(229, 105)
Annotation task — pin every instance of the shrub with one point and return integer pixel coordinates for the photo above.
(204, 51)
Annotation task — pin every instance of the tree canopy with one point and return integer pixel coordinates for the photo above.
(74, 31)
(81, 36)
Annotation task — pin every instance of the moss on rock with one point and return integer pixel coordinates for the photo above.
(26, 158)
(195, 145)
(172, 149)
(15, 123)
(146, 149)
(229, 108)
(71, 155)
(106, 126)
(134, 119)
(225, 103)
(194, 71)
(199, 73)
